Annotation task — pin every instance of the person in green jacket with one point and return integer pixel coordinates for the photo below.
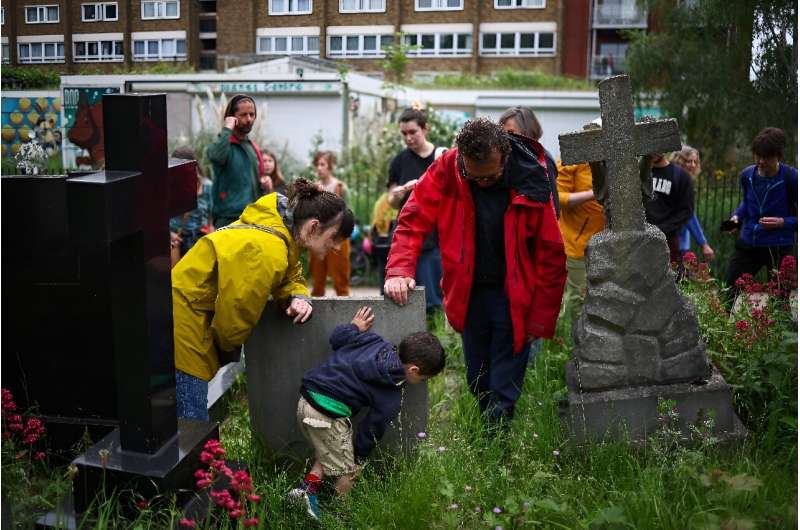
(236, 162)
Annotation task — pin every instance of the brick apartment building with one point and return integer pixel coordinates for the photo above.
(473, 36)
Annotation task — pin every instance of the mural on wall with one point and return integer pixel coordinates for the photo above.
(83, 127)
(28, 117)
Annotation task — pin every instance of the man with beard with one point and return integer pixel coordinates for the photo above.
(236, 162)
(503, 260)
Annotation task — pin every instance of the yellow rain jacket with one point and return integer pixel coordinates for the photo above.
(220, 287)
(579, 223)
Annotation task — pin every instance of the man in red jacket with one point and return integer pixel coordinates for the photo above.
(503, 259)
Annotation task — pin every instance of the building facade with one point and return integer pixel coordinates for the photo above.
(446, 35)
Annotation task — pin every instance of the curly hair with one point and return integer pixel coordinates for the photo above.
(479, 137)
(424, 350)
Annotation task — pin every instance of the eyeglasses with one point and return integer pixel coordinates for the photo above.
(479, 180)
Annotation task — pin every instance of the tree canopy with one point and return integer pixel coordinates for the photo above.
(724, 69)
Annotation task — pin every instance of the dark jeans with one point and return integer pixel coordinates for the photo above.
(191, 395)
(675, 256)
(495, 373)
(749, 260)
(429, 275)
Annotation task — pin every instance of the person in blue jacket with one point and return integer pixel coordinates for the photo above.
(767, 215)
(364, 371)
(688, 158)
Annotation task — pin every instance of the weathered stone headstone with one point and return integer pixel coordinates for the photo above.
(278, 353)
(116, 241)
(636, 338)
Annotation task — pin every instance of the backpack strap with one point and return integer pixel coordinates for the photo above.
(267, 229)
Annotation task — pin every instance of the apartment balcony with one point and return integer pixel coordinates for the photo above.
(624, 14)
(606, 66)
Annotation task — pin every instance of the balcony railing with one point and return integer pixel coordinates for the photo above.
(625, 14)
(604, 66)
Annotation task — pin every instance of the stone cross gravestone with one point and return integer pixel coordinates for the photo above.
(636, 338)
(278, 353)
(118, 240)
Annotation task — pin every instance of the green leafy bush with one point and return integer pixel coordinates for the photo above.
(508, 79)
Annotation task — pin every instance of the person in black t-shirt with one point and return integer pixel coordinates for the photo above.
(672, 205)
(404, 171)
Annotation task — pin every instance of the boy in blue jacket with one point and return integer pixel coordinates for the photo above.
(364, 371)
(767, 215)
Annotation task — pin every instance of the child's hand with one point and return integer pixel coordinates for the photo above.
(363, 319)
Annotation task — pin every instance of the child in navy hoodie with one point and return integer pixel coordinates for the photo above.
(364, 371)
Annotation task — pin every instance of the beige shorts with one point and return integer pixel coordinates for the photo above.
(331, 438)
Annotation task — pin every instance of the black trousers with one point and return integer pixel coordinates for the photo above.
(749, 260)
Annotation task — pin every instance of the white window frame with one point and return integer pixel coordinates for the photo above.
(436, 51)
(42, 59)
(102, 7)
(517, 51)
(438, 5)
(289, 11)
(99, 56)
(362, 9)
(2, 16)
(360, 52)
(160, 9)
(6, 53)
(261, 39)
(43, 8)
(160, 56)
(526, 4)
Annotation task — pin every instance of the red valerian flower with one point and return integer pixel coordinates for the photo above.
(742, 325)
(187, 523)
(39, 455)
(252, 522)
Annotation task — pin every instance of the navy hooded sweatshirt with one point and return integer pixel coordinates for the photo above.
(364, 371)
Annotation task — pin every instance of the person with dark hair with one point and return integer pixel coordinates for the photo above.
(186, 229)
(336, 264)
(672, 205)
(220, 287)
(404, 171)
(235, 161)
(364, 371)
(272, 178)
(767, 215)
(503, 259)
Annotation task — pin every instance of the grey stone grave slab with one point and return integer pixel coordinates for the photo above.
(637, 336)
(278, 353)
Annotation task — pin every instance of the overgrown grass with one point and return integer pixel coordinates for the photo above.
(533, 478)
(508, 79)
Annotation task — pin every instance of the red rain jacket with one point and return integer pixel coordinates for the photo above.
(535, 260)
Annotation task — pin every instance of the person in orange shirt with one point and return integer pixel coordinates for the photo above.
(581, 218)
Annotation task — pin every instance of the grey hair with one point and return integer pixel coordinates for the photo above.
(686, 150)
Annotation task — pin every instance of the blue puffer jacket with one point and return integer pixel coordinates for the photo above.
(779, 201)
(364, 371)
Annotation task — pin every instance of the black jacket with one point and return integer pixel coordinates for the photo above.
(364, 371)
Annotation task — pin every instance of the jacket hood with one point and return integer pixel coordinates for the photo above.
(523, 172)
(272, 210)
(385, 370)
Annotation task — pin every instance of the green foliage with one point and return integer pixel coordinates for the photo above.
(396, 61)
(30, 78)
(698, 67)
(54, 166)
(508, 79)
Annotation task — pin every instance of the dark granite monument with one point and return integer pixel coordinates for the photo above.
(636, 338)
(90, 338)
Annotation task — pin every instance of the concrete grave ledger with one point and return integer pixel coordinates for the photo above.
(278, 353)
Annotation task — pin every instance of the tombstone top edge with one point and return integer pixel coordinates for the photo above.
(105, 176)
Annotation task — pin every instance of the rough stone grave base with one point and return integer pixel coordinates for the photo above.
(278, 353)
(631, 413)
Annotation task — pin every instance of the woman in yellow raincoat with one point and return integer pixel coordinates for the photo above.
(220, 287)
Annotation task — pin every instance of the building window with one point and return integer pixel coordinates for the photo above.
(159, 50)
(99, 11)
(517, 4)
(362, 6)
(439, 44)
(95, 51)
(358, 45)
(2, 16)
(289, 45)
(160, 9)
(40, 52)
(439, 5)
(524, 44)
(41, 14)
(6, 54)
(289, 7)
